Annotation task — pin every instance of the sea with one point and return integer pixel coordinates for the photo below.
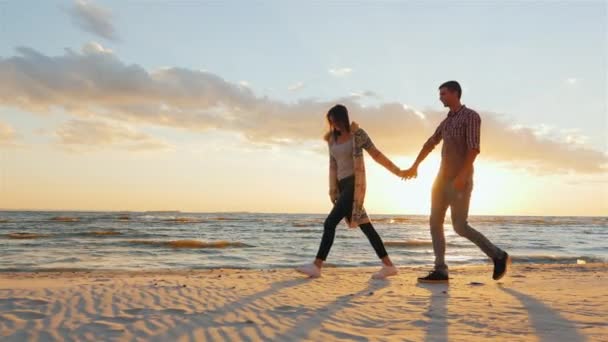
(80, 240)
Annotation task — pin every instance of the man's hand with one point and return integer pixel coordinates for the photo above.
(459, 182)
(412, 172)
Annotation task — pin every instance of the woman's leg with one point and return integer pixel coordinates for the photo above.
(339, 211)
(376, 241)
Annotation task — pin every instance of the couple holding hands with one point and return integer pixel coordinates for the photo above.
(460, 132)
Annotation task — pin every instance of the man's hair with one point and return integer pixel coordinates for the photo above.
(452, 86)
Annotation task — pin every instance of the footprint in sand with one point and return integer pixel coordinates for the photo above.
(9, 303)
(144, 311)
(26, 315)
(472, 323)
(288, 309)
(117, 319)
(420, 323)
(101, 329)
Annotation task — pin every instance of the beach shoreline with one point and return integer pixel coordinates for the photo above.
(552, 302)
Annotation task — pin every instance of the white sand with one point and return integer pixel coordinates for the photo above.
(534, 303)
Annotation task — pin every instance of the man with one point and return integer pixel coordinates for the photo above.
(460, 132)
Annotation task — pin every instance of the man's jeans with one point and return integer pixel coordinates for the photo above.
(445, 195)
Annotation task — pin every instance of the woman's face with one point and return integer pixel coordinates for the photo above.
(335, 125)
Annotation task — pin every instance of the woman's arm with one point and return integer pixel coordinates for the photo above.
(379, 157)
(383, 160)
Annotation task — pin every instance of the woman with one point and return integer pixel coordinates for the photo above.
(346, 142)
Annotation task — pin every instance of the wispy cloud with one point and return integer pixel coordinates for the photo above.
(96, 83)
(78, 135)
(572, 80)
(363, 94)
(340, 72)
(93, 19)
(8, 137)
(296, 86)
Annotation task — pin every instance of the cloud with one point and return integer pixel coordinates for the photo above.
(363, 94)
(94, 83)
(572, 80)
(93, 19)
(340, 72)
(78, 135)
(296, 86)
(8, 137)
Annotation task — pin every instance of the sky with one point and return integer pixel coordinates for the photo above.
(219, 106)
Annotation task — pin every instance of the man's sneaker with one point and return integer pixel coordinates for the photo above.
(385, 271)
(500, 266)
(310, 270)
(435, 277)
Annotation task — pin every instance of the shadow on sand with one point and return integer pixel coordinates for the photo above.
(549, 325)
(437, 312)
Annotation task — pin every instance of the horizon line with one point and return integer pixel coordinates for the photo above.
(274, 213)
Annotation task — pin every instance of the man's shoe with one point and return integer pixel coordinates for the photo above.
(500, 266)
(435, 277)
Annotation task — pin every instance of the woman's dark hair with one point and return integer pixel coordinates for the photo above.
(452, 86)
(339, 115)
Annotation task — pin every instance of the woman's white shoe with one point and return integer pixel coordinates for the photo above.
(385, 271)
(310, 270)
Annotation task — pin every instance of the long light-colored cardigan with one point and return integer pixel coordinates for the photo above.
(360, 141)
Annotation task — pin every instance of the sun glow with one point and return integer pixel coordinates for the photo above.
(496, 189)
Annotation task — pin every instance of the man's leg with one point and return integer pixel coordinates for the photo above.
(439, 206)
(459, 207)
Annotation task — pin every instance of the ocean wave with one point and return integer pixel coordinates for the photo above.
(303, 230)
(308, 222)
(190, 243)
(66, 260)
(26, 236)
(48, 269)
(416, 243)
(102, 233)
(164, 218)
(548, 221)
(65, 219)
(223, 218)
(414, 220)
(183, 220)
(555, 259)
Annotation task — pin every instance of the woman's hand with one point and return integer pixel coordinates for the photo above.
(409, 173)
(333, 196)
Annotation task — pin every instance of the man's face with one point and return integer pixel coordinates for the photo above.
(447, 97)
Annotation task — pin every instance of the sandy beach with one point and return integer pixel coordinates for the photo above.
(534, 303)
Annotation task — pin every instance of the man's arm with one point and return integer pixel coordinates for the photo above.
(430, 144)
(473, 135)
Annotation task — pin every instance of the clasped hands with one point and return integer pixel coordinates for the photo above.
(459, 182)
